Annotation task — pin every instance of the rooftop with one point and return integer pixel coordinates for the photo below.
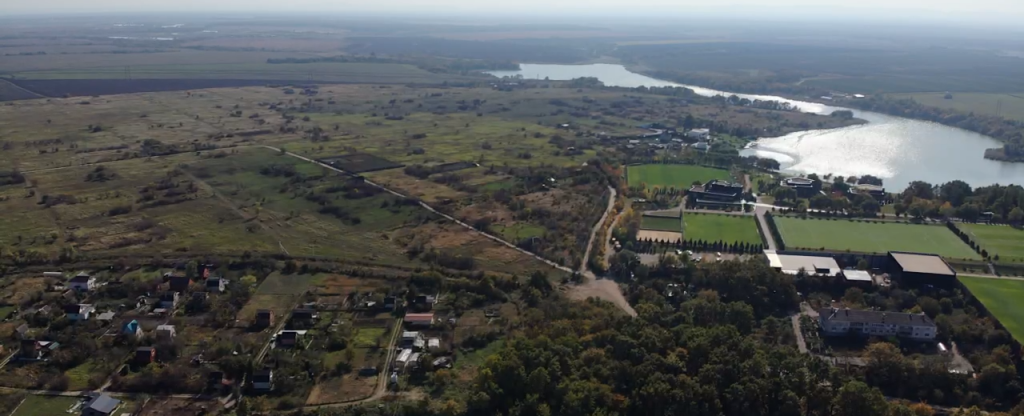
(922, 263)
(857, 275)
(791, 264)
(875, 317)
(104, 404)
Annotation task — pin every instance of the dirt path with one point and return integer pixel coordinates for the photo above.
(429, 208)
(16, 86)
(230, 205)
(597, 227)
(382, 377)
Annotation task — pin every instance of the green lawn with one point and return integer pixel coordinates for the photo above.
(660, 223)
(477, 357)
(714, 227)
(1003, 299)
(367, 337)
(45, 406)
(78, 377)
(519, 231)
(673, 176)
(872, 237)
(1007, 242)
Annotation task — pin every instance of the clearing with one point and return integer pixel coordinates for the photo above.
(714, 227)
(871, 237)
(672, 176)
(1002, 298)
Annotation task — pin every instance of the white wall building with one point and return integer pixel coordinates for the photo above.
(876, 323)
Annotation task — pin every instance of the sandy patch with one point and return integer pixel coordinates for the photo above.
(659, 235)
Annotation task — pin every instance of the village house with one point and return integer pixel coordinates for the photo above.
(216, 284)
(168, 300)
(132, 329)
(82, 283)
(179, 283)
(79, 312)
(263, 380)
(304, 317)
(145, 355)
(264, 318)
(37, 350)
(289, 339)
(101, 405)
(419, 319)
(166, 332)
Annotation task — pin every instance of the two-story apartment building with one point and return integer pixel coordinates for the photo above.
(915, 326)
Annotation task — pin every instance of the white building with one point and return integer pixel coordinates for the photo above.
(699, 134)
(876, 323)
(80, 312)
(82, 283)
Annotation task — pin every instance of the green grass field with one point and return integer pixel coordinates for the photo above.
(1003, 299)
(660, 223)
(367, 337)
(45, 406)
(672, 176)
(713, 227)
(1007, 242)
(1009, 106)
(872, 237)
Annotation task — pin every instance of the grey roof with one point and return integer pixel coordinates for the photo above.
(876, 317)
(106, 316)
(857, 275)
(104, 404)
(922, 263)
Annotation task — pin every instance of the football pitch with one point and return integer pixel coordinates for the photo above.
(1007, 242)
(714, 227)
(1002, 297)
(871, 237)
(673, 176)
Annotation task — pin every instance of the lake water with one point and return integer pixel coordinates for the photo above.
(896, 149)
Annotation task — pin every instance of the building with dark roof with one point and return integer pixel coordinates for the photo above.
(916, 269)
(715, 192)
(834, 321)
(804, 187)
(100, 405)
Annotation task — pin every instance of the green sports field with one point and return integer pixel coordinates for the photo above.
(1007, 242)
(659, 223)
(672, 176)
(1002, 297)
(714, 227)
(872, 237)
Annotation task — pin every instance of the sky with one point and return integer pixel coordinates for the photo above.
(952, 10)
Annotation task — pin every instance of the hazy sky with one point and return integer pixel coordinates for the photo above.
(1002, 10)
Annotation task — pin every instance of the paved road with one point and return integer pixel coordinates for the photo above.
(762, 222)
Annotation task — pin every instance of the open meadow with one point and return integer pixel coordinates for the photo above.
(714, 227)
(1007, 105)
(1002, 297)
(673, 176)
(871, 237)
(1005, 241)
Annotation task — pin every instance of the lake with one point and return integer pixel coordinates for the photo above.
(896, 149)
